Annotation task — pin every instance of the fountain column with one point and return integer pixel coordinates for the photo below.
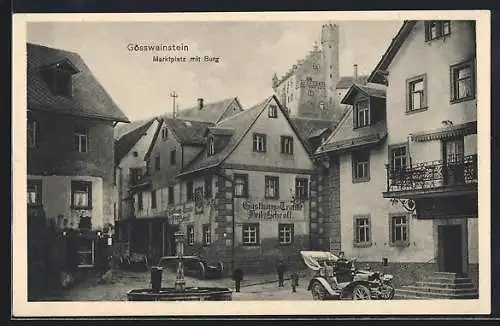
(179, 279)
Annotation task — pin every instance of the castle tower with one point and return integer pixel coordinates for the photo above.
(330, 46)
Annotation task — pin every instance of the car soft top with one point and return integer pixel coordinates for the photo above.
(313, 259)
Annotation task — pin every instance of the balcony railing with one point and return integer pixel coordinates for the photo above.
(459, 171)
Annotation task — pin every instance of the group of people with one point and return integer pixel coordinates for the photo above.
(280, 270)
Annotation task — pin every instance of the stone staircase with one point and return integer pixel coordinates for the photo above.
(440, 285)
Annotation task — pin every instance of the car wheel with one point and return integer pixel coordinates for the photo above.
(361, 292)
(318, 291)
(387, 292)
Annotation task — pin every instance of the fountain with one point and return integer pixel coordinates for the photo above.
(179, 292)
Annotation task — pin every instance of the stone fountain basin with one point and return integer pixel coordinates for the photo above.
(189, 294)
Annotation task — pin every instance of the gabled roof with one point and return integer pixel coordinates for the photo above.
(241, 123)
(378, 74)
(370, 90)
(346, 81)
(211, 112)
(127, 141)
(124, 128)
(346, 137)
(187, 132)
(88, 99)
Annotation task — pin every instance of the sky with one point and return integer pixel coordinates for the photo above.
(250, 53)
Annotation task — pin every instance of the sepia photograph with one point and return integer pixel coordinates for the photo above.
(294, 158)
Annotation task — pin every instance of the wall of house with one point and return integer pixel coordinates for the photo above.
(365, 198)
(56, 200)
(273, 128)
(55, 154)
(434, 58)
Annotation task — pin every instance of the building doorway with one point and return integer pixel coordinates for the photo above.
(170, 249)
(450, 248)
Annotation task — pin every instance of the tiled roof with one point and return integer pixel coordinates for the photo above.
(127, 141)
(345, 136)
(240, 123)
(211, 112)
(124, 128)
(377, 75)
(309, 128)
(347, 81)
(221, 131)
(370, 89)
(88, 98)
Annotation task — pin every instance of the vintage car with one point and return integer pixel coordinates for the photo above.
(338, 279)
(195, 266)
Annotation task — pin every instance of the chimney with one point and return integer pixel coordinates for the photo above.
(200, 103)
(355, 72)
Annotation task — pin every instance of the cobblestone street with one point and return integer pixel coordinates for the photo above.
(254, 287)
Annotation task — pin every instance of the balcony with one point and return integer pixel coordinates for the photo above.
(456, 177)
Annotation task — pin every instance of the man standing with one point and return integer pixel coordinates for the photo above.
(238, 277)
(281, 273)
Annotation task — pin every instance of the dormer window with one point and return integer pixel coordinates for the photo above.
(435, 29)
(211, 146)
(362, 114)
(273, 111)
(59, 78)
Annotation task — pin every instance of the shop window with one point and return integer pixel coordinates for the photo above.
(34, 192)
(362, 231)
(250, 232)
(286, 234)
(86, 253)
(399, 230)
(207, 235)
(272, 185)
(240, 185)
(81, 194)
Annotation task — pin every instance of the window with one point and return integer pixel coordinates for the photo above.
(153, 198)
(211, 146)
(164, 133)
(85, 252)
(362, 114)
(135, 175)
(80, 139)
(273, 111)
(135, 153)
(157, 163)
(416, 95)
(140, 203)
(398, 157)
(310, 92)
(250, 234)
(321, 105)
(362, 232)
(190, 235)
(240, 185)
(32, 140)
(301, 188)
(272, 187)
(462, 82)
(81, 194)
(173, 157)
(286, 145)
(171, 193)
(60, 81)
(361, 166)
(208, 187)
(285, 234)
(315, 66)
(435, 29)
(207, 235)
(259, 142)
(189, 191)
(34, 192)
(399, 230)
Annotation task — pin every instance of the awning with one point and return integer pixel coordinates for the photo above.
(448, 132)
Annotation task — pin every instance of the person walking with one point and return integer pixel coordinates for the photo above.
(238, 277)
(281, 273)
(295, 281)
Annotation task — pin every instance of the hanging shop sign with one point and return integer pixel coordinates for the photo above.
(179, 214)
(272, 211)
